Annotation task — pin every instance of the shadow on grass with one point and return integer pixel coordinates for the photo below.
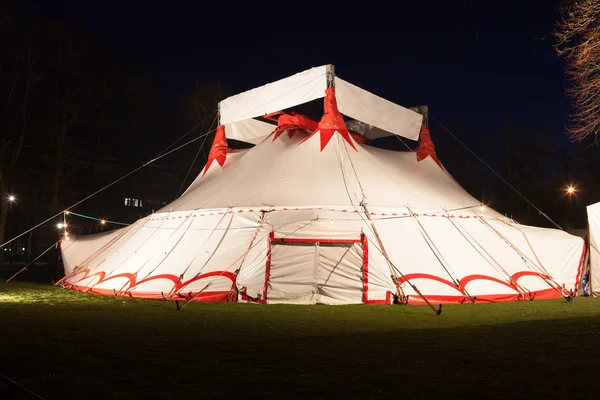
(65, 345)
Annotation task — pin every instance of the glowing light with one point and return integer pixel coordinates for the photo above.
(11, 198)
(570, 189)
(102, 222)
(23, 249)
(482, 208)
(67, 212)
(60, 225)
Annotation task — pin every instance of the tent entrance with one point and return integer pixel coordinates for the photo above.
(316, 271)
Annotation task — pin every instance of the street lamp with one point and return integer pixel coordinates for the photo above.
(11, 198)
(570, 189)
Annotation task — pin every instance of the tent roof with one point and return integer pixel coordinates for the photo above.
(384, 117)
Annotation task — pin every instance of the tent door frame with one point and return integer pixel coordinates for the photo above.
(363, 240)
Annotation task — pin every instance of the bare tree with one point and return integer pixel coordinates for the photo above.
(578, 42)
(18, 76)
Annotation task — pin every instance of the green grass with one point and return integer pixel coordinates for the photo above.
(62, 344)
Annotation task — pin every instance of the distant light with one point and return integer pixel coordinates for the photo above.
(23, 249)
(67, 212)
(59, 225)
(11, 198)
(102, 221)
(570, 189)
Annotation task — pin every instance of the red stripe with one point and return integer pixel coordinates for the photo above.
(467, 279)
(313, 240)
(408, 277)
(268, 268)
(212, 297)
(365, 244)
(578, 276)
(491, 298)
(366, 300)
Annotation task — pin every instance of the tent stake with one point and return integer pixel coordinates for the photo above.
(190, 299)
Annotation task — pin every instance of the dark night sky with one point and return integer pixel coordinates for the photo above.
(472, 60)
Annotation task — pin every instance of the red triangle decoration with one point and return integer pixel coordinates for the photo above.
(218, 150)
(426, 147)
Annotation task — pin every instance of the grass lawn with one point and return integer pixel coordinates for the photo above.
(62, 345)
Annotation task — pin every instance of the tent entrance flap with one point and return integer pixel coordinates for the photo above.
(316, 272)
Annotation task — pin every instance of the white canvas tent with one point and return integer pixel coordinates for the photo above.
(593, 212)
(314, 214)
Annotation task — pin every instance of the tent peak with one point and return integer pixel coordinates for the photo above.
(309, 85)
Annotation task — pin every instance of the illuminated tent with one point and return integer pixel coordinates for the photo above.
(593, 212)
(314, 214)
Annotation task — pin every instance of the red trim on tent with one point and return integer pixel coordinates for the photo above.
(365, 244)
(515, 277)
(267, 268)
(578, 276)
(331, 122)
(366, 300)
(177, 283)
(312, 240)
(419, 275)
(218, 150)
(365, 267)
(294, 123)
(208, 297)
(467, 279)
(492, 298)
(426, 147)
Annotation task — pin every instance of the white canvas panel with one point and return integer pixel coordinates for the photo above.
(110, 259)
(213, 172)
(130, 259)
(192, 241)
(379, 274)
(557, 251)
(294, 271)
(169, 241)
(593, 212)
(503, 254)
(279, 95)
(80, 248)
(249, 130)
(340, 278)
(320, 229)
(374, 110)
(222, 255)
(410, 254)
(253, 268)
(462, 258)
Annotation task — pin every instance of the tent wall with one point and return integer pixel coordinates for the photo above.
(214, 252)
(593, 212)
